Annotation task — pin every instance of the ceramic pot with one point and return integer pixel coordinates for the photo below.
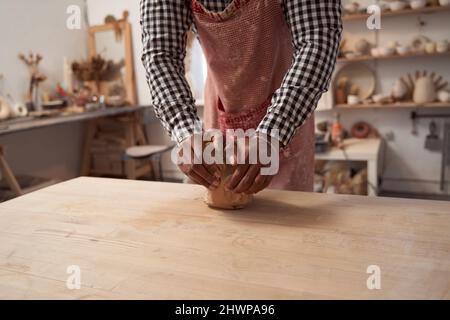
(341, 96)
(397, 5)
(351, 8)
(375, 52)
(352, 100)
(362, 47)
(403, 50)
(443, 96)
(442, 46)
(399, 90)
(5, 109)
(19, 110)
(418, 4)
(386, 51)
(381, 98)
(430, 47)
(424, 91)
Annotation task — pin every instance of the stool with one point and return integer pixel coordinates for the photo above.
(151, 152)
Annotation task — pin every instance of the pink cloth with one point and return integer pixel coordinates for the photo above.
(248, 49)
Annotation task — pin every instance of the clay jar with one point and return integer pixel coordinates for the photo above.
(400, 90)
(424, 91)
(362, 47)
(442, 46)
(443, 96)
(5, 109)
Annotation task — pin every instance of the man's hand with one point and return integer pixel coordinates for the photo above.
(247, 177)
(194, 166)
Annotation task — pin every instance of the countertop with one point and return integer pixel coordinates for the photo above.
(147, 240)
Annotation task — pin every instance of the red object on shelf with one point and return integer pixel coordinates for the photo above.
(337, 132)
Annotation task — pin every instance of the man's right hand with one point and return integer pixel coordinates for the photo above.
(195, 167)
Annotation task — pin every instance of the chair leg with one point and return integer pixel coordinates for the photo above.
(9, 175)
(161, 178)
(86, 156)
(130, 164)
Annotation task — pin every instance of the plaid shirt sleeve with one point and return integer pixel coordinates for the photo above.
(316, 28)
(165, 24)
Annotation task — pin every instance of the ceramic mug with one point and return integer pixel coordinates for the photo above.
(352, 100)
(430, 47)
(442, 46)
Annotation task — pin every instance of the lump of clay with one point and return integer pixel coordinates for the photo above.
(223, 199)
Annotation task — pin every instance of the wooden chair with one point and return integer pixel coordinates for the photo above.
(152, 153)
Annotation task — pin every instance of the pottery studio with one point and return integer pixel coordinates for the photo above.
(231, 150)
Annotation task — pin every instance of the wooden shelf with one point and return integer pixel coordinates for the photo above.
(399, 105)
(412, 55)
(405, 12)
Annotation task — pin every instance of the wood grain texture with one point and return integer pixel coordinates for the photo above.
(135, 239)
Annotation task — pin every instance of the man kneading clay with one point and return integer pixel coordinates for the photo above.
(269, 61)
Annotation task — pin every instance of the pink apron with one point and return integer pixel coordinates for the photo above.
(248, 49)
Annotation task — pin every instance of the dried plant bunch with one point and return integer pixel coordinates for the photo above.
(32, 62)
(97, 69)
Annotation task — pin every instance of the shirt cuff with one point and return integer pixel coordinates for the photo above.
(186, 129)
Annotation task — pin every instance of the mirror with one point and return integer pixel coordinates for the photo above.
(112, 41)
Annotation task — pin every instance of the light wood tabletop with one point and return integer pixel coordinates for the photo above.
(148, 240)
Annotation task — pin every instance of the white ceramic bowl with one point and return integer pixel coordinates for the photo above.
(444, 96)
(403, 50)
(352, 100)
(418, 4)
(375, 52)
(397, 5)
(442, 46)
(430, 47)
(381, 98)
(386, 52)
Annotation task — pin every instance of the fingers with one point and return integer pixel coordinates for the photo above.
(206, 175)
(261, 183)
(195, 168)
(213, 170)
(201, 181)
(237, 176)
(248, 179)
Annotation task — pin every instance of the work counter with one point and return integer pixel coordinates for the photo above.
(94, 238)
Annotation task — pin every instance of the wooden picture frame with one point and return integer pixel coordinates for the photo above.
(125, 27)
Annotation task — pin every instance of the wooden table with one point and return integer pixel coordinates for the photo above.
(28, 123)
(136, 239)
(367, 150)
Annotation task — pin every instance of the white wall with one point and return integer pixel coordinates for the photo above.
(408, 166)
(40, 26)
